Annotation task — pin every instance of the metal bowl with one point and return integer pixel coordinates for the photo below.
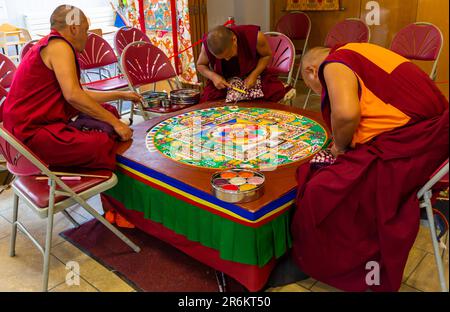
(185, 97)
(237, 197)
(154, 99)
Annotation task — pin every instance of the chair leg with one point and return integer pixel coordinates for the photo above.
(71, 219)
(119, 107)
(12, 247)
(221, 281)
(430, 216)
(307, 99)
(49, 236)
(297, 75)
(110, 227)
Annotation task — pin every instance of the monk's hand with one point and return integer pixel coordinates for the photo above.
(250, 82)
(336, 151)
(131, 96)
(220, 83)
(123, 131)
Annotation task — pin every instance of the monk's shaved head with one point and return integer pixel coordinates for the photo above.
(220, 39)
(311, 62)
(66, 15)
(315, 56)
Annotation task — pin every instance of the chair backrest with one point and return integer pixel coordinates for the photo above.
(348, 31)
(3, 94)
(27, 48)
(295, 25)
(7, 71)
(283, 54)
(98, 53)
(126, 35)
(143, 63)
(20, 160)
(419, 41)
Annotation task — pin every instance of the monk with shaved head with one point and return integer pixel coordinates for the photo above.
(46, 97)
(237, 51)
(357, 217)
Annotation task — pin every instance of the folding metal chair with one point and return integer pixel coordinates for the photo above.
(297, 26)
(144, 64)
(425, 195)
(51, 195)
(347, 31)
(7, 71)
(98, 55)
(126, 35)
(283, 58)
(420, 41)
(27, 48)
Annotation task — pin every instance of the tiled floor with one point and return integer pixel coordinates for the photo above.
(23, 272)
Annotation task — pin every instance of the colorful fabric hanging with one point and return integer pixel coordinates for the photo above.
(158, 18)
(312, 5)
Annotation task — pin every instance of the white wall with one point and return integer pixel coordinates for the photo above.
(218, 12)
(17, 8)
(255, 12)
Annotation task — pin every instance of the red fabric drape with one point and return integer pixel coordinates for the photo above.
(142, 16)
(173, 9)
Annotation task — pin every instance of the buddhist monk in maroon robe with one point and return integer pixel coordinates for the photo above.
(237, 51)
(46, 95)
(357, 219)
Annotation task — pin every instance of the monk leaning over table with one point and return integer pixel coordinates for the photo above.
(238, 51)
(390, 126)
(46, 97)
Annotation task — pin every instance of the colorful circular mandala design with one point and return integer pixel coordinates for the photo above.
(237, 137)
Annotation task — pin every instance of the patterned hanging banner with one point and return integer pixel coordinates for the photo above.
(157, 18)
(312, 5)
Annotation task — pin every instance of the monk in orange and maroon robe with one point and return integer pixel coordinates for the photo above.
(363, 209)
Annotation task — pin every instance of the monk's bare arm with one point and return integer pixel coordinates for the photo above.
(203, 69)
(342, 87)
(109, 96)
(59, 57)
(265, 53)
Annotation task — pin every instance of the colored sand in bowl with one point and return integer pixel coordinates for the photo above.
(256, 181)
(247, 187)
(238, 181)
(246, 174)
(230, 187)
(220, 182)
(228, 175)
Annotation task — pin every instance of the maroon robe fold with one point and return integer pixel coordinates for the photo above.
(364, 207)
(36, 112)
(241, 66)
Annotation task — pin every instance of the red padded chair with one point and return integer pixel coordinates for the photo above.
(27, 48)
(50, 195)
(297, 26)
(283, 57)
(347, 31)
(97, 55)
(3, 94)
(126, 35)
(144, 64)
(7, 71)
(420, 41)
